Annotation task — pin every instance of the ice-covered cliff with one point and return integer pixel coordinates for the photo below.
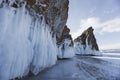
(86, 43)
(28, 33)
(65, 44)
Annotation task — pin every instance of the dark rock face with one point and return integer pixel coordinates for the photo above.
(55, 12)
(56, 15)
(65, 35)
(86, 43)
(34, 25)
(88, 37)
(65, 44)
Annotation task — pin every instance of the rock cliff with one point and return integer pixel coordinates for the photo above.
(31, 33)
(55, 12)
(86, 43)
(65, 44)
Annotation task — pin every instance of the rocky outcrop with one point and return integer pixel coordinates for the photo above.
(28, 33)
(55, 12)
(65, 35)
(65, 44)
(56, 15)
(86, 43)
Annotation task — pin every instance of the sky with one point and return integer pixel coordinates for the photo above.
(102, 15)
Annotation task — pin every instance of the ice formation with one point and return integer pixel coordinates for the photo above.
(44, 47)
(25, 43)
(84, 50)
(86, 43)
(65, 51)
(65, 44)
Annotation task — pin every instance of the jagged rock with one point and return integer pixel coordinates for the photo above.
(88, 37)
(56, 15)
(65, 44)
(55, 12)
(65, 35)
(86, 43)
(28, 33)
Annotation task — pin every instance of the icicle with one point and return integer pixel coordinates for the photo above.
(65, 51)
(68, 51)
(15, 48)
(79, 48)
(85, 49)
(25, 43)
(45, 50)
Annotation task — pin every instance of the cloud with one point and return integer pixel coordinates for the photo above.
(89, 22)
(107, 26)
(99, 26)
(111, 26)
(84, 24)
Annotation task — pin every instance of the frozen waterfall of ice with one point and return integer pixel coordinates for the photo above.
(15, 48)
(65, 50)
(25, 44)
(85, 49)
(44, 47)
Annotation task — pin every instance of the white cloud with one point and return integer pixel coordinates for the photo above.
(99, 26)
(111, 26)
(89, 22)
(84, 24)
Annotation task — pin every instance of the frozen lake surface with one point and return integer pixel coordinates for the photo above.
(106, 67)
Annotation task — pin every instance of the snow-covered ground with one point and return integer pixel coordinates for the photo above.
(106, 67)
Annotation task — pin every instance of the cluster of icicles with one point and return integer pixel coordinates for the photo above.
(85, 49)
(25, 43)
